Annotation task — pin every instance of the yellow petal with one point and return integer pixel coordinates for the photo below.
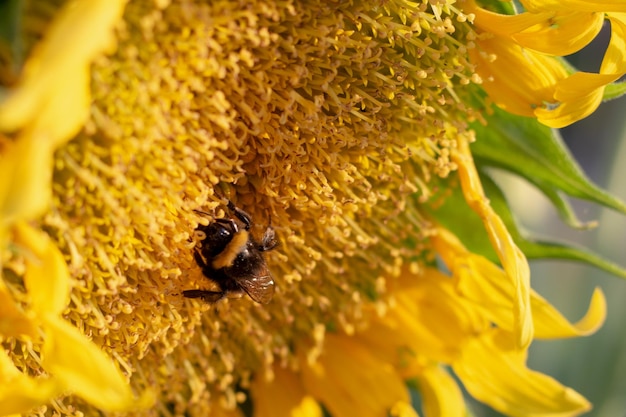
(580, 94)
(85, 370)
(568, 112)
(614, 61)
(577, 97)
(549, 323)
(525, 82)
(347, 370)
(556, 33)
(50, 103)
(402, 409)
(13, 321)
(25, 179)
(504, 25)
(517, 79)
(512, 259)
(52, 96)
(484, 284)
(440, 393)
(500, 378)
(561, 34)
(46, 277)
(20, 393)
(578, 5)
(478, 280)
(283, 396)
(427, 318)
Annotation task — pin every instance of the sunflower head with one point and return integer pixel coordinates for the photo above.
(134, 128)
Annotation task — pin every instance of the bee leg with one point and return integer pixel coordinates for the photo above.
(241, 215)
(230, 222)
(199, 259)
(206, 295)
(269, 241)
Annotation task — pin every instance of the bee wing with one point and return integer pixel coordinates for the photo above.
(259, 287)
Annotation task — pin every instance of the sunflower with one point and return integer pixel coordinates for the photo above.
(359, 132)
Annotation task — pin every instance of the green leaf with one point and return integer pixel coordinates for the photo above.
(614, 90)
(565, 210)
(527, 148)
(456, 215)
(498, 6)
(536, 248)
(453, 213)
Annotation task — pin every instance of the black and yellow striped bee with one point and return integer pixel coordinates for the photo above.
(230, 256)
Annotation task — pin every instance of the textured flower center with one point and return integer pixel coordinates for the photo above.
(318, 119)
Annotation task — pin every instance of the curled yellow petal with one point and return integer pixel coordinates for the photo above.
(13, 321)
(576, 98)
(46, 277)
(85, 370)
(561, 34)
(20, 393)
(403, 409)
(414, 325)
(52, 95)
(549, 323)
(551, 32)
(345, 371)
(440, 394)
(50, 103)
(580, 94)
(484, 284)
(505, 25)
(512, 259)
(518, 80)
(479, 281)
(579, 5)
(499, 377)
(284, 395)
(25, 179)
(614, 61)
(515, 58)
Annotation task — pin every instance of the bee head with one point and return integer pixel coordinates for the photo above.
(215, 237)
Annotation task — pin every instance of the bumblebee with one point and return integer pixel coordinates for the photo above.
(230, 256)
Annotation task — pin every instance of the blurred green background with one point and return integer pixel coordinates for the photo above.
(595, 366)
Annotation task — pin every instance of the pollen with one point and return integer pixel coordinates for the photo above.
(318, 120)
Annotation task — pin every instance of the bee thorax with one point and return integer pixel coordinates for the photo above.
(230, 252)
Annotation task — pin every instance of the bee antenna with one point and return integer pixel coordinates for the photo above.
(220, 196)
(202, 212)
